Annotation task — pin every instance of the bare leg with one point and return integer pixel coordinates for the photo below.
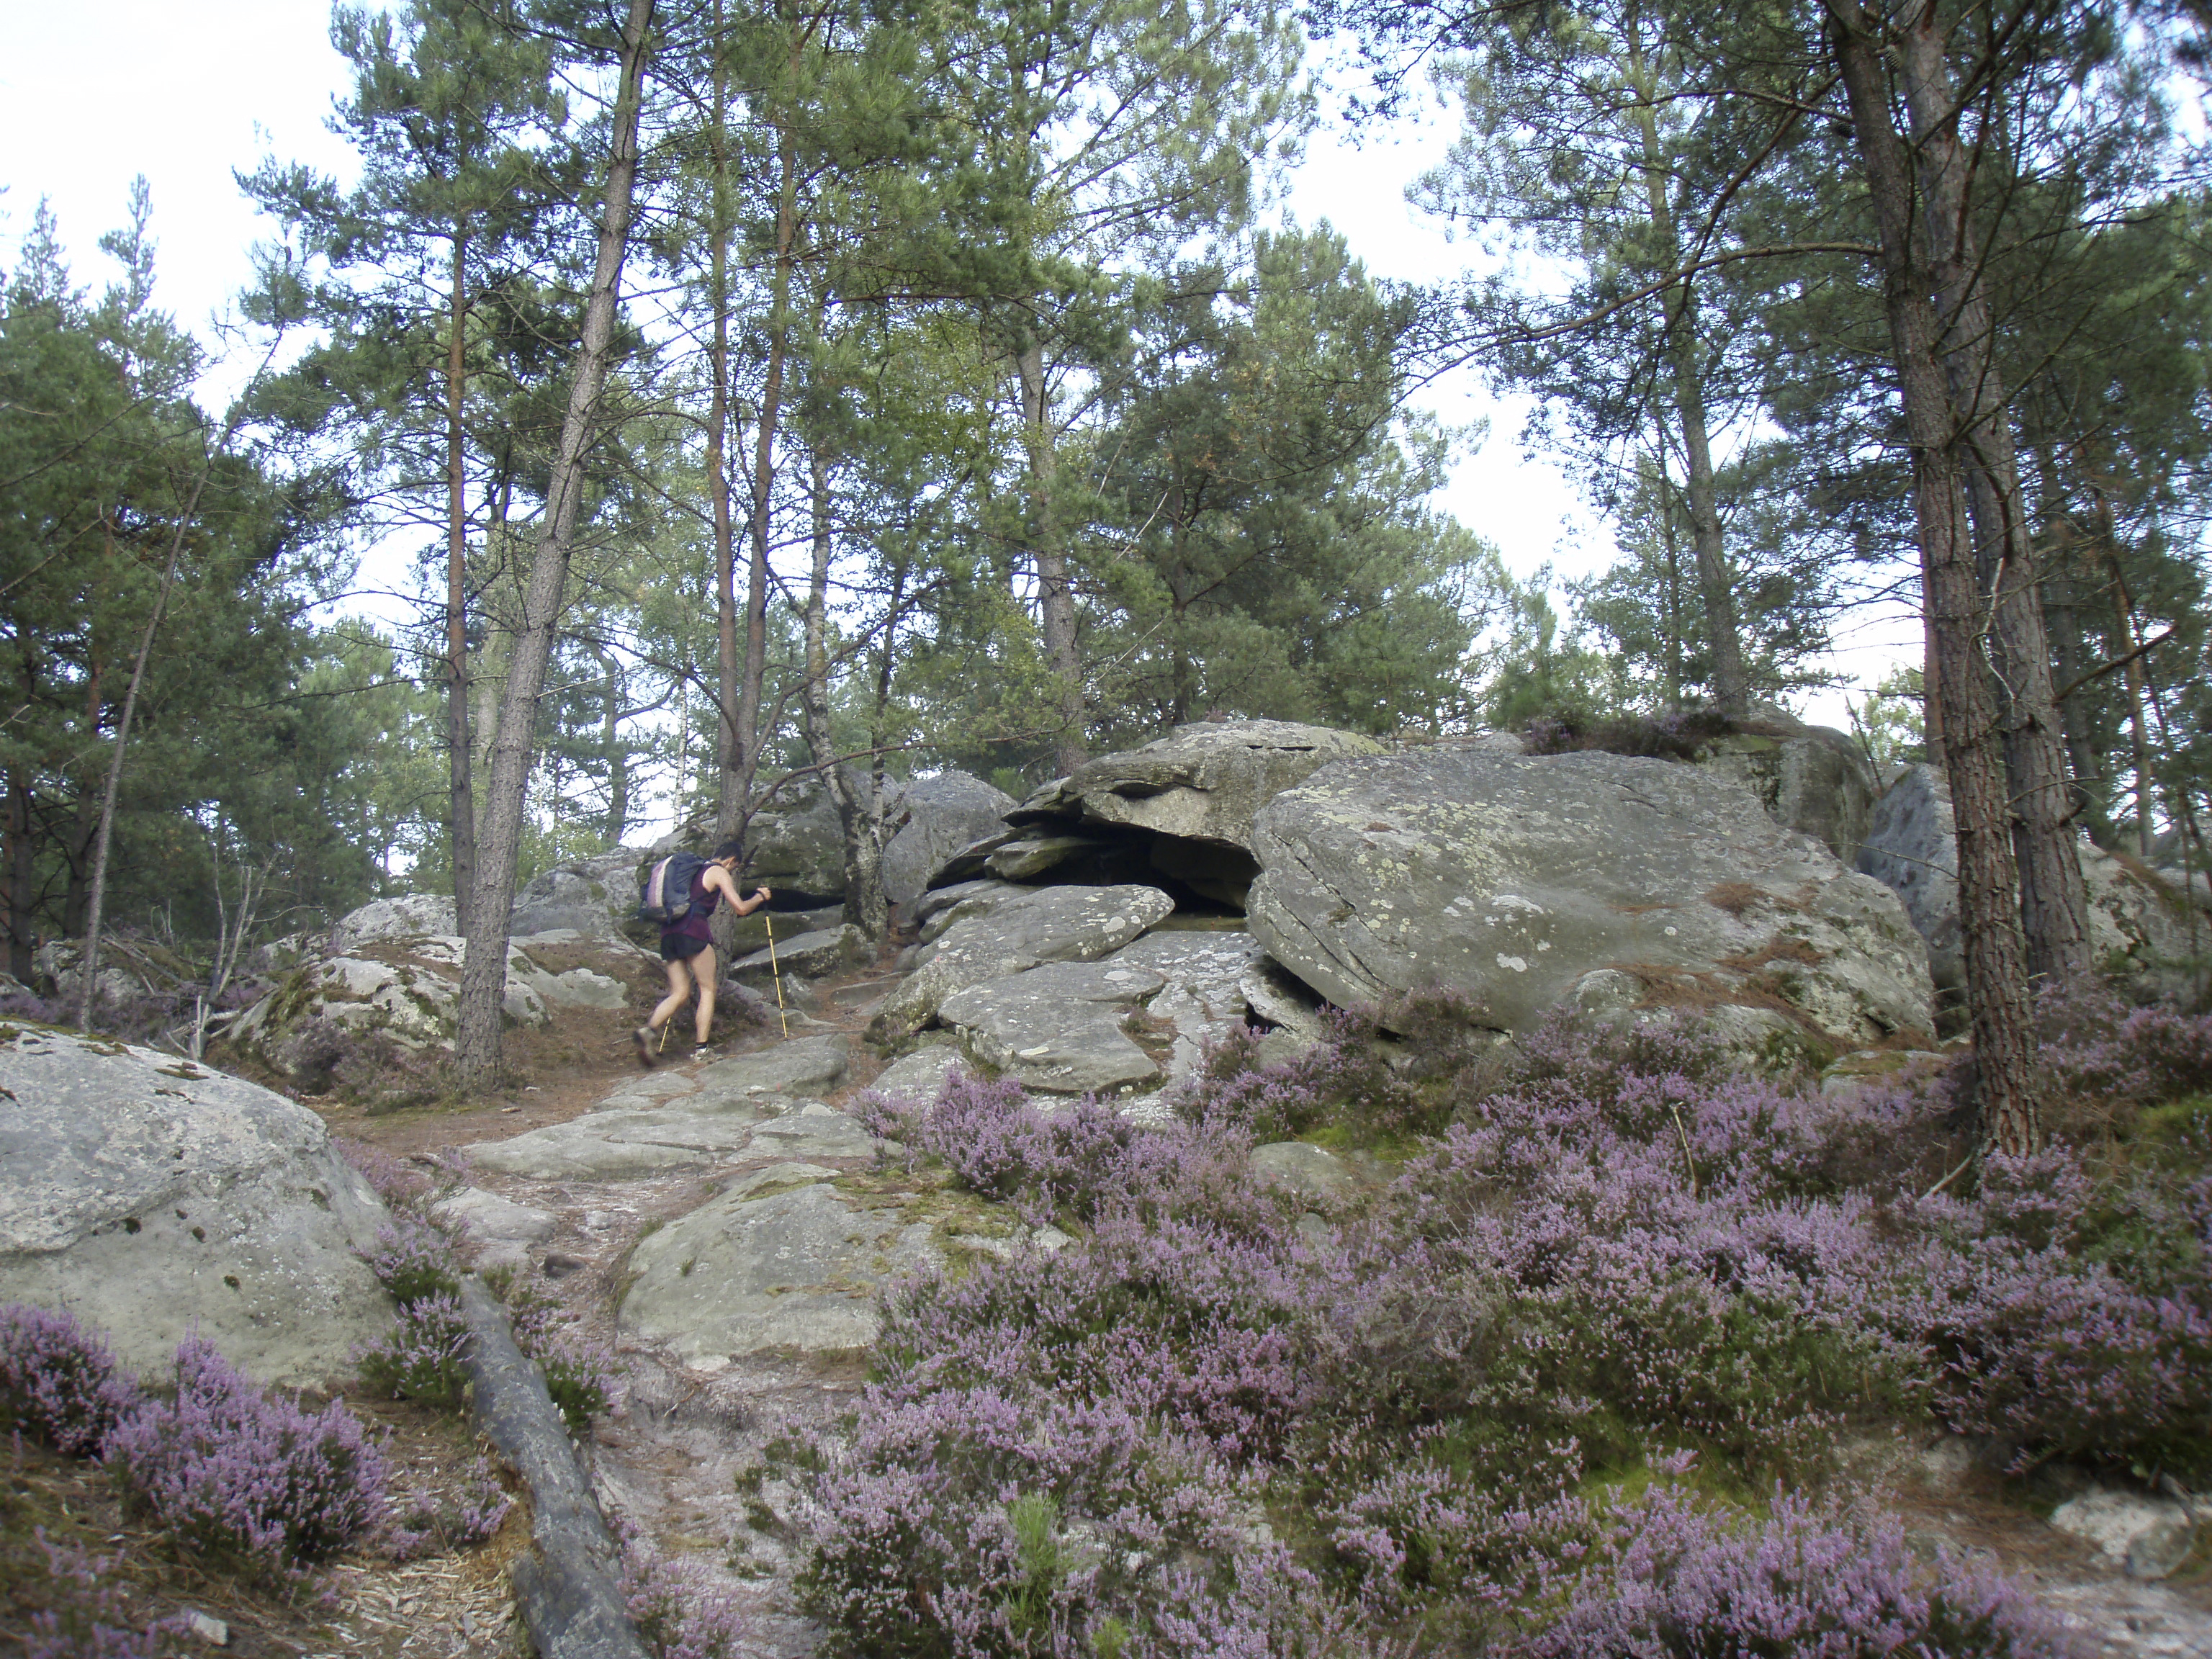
(707, 977)
(679, 992)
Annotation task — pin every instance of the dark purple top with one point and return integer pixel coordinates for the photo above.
(693, 923)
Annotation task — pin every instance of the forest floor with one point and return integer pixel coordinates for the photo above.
(685, 1457)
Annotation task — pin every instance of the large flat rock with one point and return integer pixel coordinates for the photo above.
(1514, 878)
(1204, 781)
(798, 1065)
(151, 1197)
(793, 1269)
(1051, 924)
(1058, 1027)
(805, 955)
(624, 1146)
(920, 1077)
(1203, 975)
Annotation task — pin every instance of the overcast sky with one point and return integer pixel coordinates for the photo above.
(93, 93)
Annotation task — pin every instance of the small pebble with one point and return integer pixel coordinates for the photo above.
(213, 1632)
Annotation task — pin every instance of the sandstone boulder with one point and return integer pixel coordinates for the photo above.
(797, 841)
(918, 1078)
(499, 1231)
(627, 1145)
(1513, 878)
(1187, 800)
(789, 1269)
(407, 990)
(1813, 779)
(591, 897)
(1051, 924)
(942, 815)
(1202, 996)
(806, 955)
(802, 1066)
(151, 1197)
(1058, 1027)
(410, 915)
(2144, 929)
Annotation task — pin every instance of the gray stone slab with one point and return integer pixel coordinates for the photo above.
(813, 1130)
(791, 1270)
(807, 1064)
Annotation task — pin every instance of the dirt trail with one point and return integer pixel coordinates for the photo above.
(681, 1458)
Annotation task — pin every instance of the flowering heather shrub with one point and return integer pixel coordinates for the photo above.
(424, 1356)
(583, 1376)
(434, 1521)
(1669, 1579)
(1079, 1161)
(259, 1484)
(413, 1261)
(92, 1619)
(58, 1382)
(400, 1185)
(2103, 1052)
(679, 1611)
(1620, 1253)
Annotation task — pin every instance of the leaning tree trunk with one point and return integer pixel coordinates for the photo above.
(728, 796)
(483, 967)
(2054, 903)
(1996, 972)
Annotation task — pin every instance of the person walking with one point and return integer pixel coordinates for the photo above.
(687, 950)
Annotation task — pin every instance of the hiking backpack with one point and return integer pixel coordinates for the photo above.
(666, 898)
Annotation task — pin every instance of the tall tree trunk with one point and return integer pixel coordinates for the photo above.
(729, 793)
(612, 714)
(747, 738)
(21, 880)
(1996, 972)
(2135, 676)
(1056, 592)
(461, 813)
(857, 814)
(79, 891)
(1731, 680)
(483, 966)
(2054, 903)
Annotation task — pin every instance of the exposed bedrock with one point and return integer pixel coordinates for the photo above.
(152, 1197)
(1522, 881)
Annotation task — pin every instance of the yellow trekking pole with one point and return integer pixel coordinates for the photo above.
(778, 973)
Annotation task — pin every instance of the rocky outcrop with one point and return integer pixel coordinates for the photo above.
(590, 897)
(1178, 810)
(152, 1197)
(942, 814)
(809, 956)
(1051, 924)
(768, 1267)
(410, 915)
(406, 990)
(2144, 929)
(1513, 879)
(796, 840)
(1811, 779)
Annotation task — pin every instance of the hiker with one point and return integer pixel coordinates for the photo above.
(687, 949)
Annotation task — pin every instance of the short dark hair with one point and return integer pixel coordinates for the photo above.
(732, 848)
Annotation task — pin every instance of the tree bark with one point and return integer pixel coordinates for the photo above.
(483, 966)
(1996, 973)
(1056, 592)
(729, 795)
(22, 883)
(2054, 903)
(461, 813)
(1731, 680)
(746, 739)
(857, 814)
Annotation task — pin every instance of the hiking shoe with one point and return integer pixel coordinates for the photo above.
(643, 1038)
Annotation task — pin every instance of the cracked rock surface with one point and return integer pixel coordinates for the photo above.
(1510, 877)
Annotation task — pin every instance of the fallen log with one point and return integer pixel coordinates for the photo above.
(569, 1585)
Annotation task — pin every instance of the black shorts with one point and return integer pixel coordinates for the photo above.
(682, 947)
